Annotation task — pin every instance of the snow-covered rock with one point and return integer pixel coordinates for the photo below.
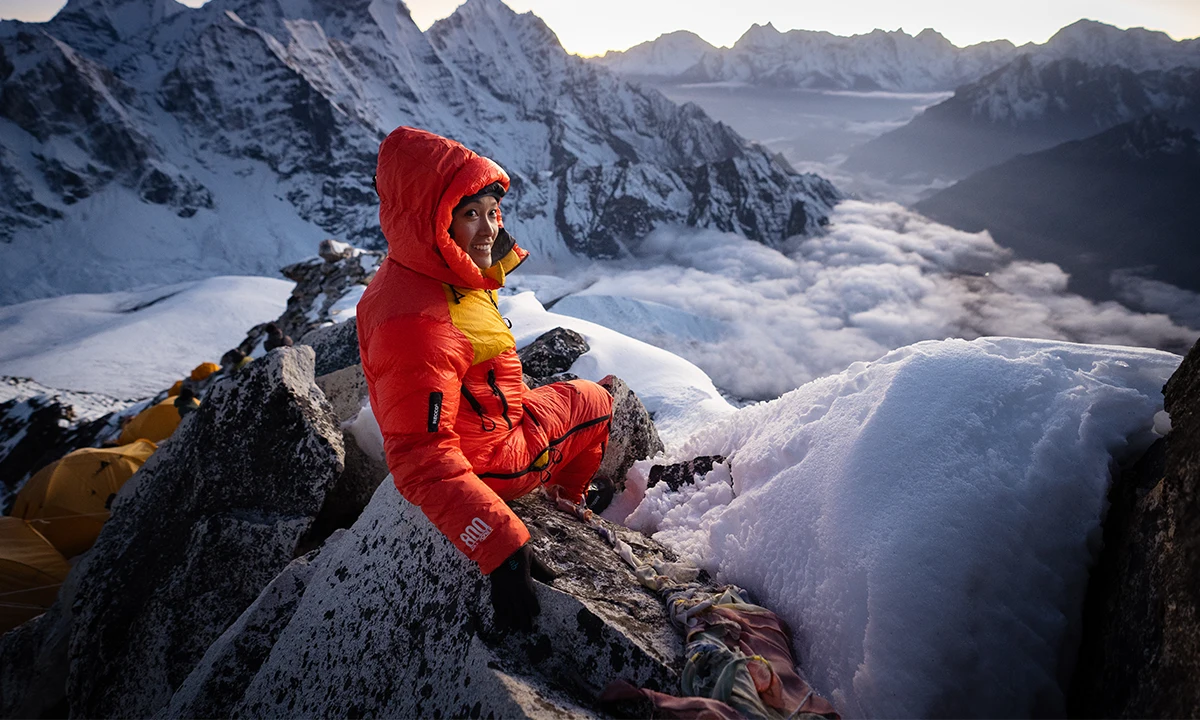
(233, 137)
(38, 425)
(208, 521)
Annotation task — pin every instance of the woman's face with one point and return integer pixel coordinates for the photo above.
(474, 229)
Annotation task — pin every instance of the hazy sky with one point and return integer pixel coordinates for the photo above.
(590, 27)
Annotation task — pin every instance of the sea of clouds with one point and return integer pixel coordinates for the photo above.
(762, 321)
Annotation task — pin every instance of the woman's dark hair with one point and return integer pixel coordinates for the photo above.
(496, 190)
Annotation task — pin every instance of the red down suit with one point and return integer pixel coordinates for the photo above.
(461, 431)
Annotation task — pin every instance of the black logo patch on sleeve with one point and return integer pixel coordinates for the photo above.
(435, 410)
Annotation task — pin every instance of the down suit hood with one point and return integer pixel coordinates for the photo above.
(420, 178)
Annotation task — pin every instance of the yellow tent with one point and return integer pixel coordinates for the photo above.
(203, 370)
(175, 388)
(155, 423)
(30, 572)
(68, 500)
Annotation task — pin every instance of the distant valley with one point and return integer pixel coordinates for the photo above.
(1122, 201)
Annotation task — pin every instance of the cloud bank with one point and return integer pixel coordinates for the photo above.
(761, 322)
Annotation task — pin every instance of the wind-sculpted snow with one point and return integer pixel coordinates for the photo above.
(245, 131)
(926, 522)
(761, 322)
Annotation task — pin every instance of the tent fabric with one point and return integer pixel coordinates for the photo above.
(175, 389)
(156, 423)
(31, 571)
(203, 370)
(68, 500)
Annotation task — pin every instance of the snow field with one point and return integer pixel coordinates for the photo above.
(134, 344)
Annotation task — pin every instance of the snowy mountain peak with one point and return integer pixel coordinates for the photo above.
(1093, 31)
(1097, 43)
(95, 25)
(880, 59)
(490, 26)
(761, 36)
(933, 38)
(229, 139)
(672, 54)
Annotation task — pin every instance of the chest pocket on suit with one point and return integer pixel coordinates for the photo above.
(476, 314)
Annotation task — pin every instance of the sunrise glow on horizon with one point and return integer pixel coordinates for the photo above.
(589, 28)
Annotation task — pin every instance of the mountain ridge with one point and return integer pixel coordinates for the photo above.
(1111, 209)
(1026, 106)
(248, 130)
(886, 60)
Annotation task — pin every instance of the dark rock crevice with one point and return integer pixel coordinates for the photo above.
(1140, 655)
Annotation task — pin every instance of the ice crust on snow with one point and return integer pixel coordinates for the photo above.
(925, 523)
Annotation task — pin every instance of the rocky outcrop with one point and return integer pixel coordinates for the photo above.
(679, 474)
(336, 346)
(38, 425)
(390, 620)
(346, 390)
(632, 435)
(209, 520)
(33, 661)
(325, 295)
(1140, 655)
(552, 352)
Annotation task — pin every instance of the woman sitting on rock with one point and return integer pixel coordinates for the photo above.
(461, 431)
